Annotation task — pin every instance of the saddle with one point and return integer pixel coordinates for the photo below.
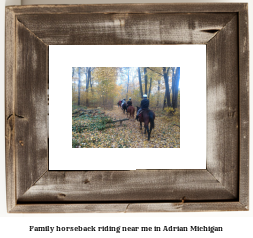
(140, 114)
(144, 110)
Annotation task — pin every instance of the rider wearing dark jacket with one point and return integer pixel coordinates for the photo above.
(144, 103)
(129, 103)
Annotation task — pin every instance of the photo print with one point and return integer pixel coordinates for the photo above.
(125, 107)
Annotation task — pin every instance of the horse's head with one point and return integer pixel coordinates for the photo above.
(137, 108)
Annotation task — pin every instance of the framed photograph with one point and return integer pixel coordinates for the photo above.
(55, 54)
(91, 97)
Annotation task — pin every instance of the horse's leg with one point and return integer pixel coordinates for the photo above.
(146, 129)
(145, 126)
(149, 132)
(150, 128)
(140, 125)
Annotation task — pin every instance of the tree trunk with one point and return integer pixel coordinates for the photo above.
(79, 86)
(139, 73)
(87, 86)
(166, 80)
(158, 96)
(149, 91)
(73, 70)
(146, 80)
(175, 83)
(173, 86)
(87, 78)
(127, 83)
(164, 100)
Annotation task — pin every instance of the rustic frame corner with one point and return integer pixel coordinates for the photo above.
(223, 186)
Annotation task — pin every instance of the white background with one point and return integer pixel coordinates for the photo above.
(192, 151)
(236, 224)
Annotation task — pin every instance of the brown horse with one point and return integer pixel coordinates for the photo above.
(147, 116)
(131, 110)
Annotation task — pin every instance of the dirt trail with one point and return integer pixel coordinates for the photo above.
(165, 135)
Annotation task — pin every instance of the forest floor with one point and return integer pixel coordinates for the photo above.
(166, 133)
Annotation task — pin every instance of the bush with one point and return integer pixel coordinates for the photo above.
(75, 143)
(171, 111)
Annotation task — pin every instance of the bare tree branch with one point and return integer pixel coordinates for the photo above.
(154, 71)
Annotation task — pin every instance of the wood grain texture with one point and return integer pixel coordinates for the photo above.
(154, 8)
(222, 107)
(9, 109)
(132, 29)
(129, 207)
(30, 109)
(139, 185)
(223, 186)
(244, 106)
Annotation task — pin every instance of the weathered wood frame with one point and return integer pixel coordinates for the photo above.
(222, 186)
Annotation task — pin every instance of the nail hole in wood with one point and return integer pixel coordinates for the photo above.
(86, 181)
(61, 195)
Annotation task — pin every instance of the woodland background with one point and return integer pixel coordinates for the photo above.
(104, 87)
(95, 114)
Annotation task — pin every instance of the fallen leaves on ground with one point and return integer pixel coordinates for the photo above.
(166, 133)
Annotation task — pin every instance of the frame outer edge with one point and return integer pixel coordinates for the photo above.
(129, 207)
(12, 206)
(244, 106)
(10, 70)
(153, 8)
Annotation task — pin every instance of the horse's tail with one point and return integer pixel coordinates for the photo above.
(151, 119)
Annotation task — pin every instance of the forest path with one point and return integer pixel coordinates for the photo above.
(166, 133)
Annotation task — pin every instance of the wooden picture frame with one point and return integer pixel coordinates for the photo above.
(222, 186)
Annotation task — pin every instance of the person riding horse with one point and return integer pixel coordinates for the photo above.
(144, 105)
(129, 103)
(123, 102)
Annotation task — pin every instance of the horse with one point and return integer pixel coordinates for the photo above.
(131, 110)
(147, 116)
(124, 107)
(119, 103)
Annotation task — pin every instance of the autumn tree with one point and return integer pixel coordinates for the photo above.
(155, 74)
(79, 85)
(149, 91)
(96, 86)
(106, 88)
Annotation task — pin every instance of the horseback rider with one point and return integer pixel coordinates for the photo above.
(129, 103)
(123, 102)
(144, 105)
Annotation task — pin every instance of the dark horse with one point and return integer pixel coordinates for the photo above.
(119, 103)
(147, 116)
(131, 110)
(124, 107)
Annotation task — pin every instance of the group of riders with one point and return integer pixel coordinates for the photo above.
(143, 113)
(144, 104)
